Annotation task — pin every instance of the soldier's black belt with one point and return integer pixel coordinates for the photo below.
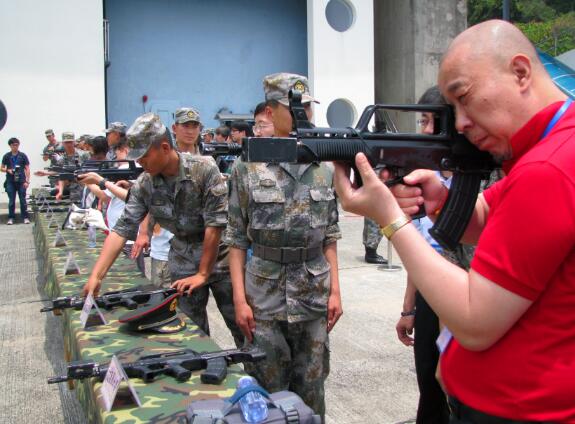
(287, 255)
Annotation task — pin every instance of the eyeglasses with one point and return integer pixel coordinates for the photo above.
(259, 127)
(423, 122)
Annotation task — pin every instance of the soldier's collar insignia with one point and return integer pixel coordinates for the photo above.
(267, 183)
(299, 86)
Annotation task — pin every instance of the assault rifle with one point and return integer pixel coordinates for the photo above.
(105, 168)
(399, 152)
(128, 298)
(178, 364)
(220, 149)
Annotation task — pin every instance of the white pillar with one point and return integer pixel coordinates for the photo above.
(340, 63)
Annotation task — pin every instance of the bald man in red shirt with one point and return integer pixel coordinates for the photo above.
(509, 355)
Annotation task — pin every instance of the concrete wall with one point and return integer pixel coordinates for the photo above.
(410, 38)
(207, 54)
(52, 73)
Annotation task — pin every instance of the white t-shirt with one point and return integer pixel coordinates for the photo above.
(115, 209)
(160, 245)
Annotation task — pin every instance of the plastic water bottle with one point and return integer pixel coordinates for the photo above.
(91, 236)
(253, 404)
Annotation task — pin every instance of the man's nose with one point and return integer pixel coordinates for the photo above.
(462, 121)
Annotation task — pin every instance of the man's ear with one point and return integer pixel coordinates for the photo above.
(521, 68)
(166, 146)
(269, 113)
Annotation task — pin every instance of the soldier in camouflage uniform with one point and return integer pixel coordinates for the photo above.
(115, 133)
(52, 149)
(186, 195)
(70, 157)
(287, 296)
(186, 128)
(371, 239)
(51, 152)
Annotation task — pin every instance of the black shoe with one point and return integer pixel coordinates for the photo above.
(371, 257)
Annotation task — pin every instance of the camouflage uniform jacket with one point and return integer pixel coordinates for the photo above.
(199, 201)
(77, 159)
(284, 205)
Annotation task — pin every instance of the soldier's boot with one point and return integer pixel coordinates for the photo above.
(371, 257)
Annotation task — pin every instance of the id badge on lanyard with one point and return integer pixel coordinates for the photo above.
(443, 340)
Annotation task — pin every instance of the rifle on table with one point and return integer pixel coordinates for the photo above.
(178, 364)
(105, 168)
(220, 149)
(128, 298)
(399, 152)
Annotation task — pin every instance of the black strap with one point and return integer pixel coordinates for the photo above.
(286, 255)
(461, 413)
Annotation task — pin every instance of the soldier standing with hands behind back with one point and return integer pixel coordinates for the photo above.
(287, 296)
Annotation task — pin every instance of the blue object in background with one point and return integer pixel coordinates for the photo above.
(207, 54)
(563, 76)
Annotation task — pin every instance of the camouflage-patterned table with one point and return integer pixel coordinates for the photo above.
(164, 400)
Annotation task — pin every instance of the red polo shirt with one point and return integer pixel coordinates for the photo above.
(527, 247)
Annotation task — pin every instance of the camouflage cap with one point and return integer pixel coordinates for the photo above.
(85, 137)
(117, 127)
(277, 87)
(68, 136)
(187, 114)
(49, 132)
(145, 130)
(208, 131)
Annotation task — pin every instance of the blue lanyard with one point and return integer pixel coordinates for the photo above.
(15, 160)
(557, 116)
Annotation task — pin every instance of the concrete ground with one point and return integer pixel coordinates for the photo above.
(372, 378)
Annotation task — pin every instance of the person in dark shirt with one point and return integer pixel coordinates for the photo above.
(17, 168)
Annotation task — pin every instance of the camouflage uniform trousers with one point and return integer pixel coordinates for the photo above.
(194, 306)
(297, 359)
(371, 235)
(160, 274)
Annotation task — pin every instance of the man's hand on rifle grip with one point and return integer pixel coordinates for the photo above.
(423, 188)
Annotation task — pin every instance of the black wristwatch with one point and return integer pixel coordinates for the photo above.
(102, 184)
(408, 313)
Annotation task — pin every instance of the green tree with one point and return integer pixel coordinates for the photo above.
(521, 10)
(554, 37)
(549, 24)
